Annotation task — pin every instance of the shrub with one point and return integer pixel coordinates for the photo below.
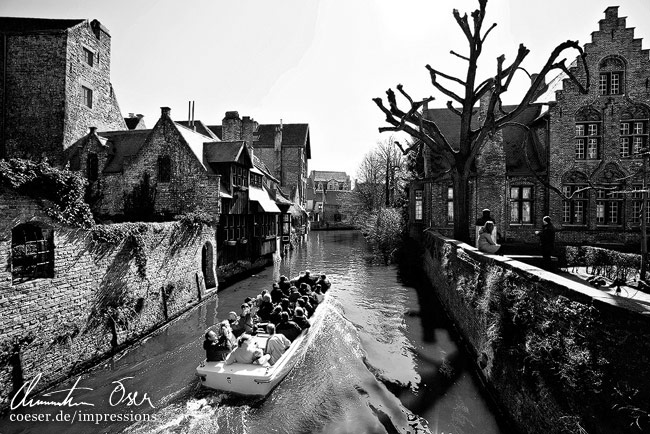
(63, 189)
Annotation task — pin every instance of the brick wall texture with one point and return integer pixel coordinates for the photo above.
(556, 138)
(484, 298)
(99, 298)
(45, 73)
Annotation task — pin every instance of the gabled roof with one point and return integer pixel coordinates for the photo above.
(27, 25)
(123, 145)
(201, 128)
(195, 142)
(259, 164)
(319, 175)
(449, 124)
(224, 152)
(293, 135)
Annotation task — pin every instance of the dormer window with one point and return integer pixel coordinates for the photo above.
(612, 76)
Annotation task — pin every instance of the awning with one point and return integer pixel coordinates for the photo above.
(261, 197)
(224, 193)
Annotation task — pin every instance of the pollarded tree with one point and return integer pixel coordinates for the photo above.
(460, 156)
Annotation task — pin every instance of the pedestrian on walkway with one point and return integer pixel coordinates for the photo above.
(547, 241)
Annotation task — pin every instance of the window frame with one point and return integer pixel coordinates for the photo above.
(87, 96)
(450, 205)
(88, 57)
(164, 174)
(517, 203)
(570, 205)
(40, 263)
(606, 199)
(633, 131)
(92, 166)
(418, 209)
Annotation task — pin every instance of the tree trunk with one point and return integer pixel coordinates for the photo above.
(461, 206)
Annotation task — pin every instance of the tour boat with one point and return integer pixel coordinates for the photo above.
(249, 378)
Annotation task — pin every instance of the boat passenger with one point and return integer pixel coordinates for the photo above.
(276, 294)
(276, 345)
(286, 306)
(243, 353)
(246, 318)
(300, 320)
(305, 288)
(288, 328)
(295, 295)
(306, 278)
(284, 284)
(266, 308)
(259, 358)
(216, 347)
(324, 283)
(275, 317)
(236, 325)
(226, 332)
(306, 306)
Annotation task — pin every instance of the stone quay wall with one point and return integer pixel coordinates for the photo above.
(111, 285)
(556, 355)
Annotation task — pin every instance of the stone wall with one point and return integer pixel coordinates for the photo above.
(558, 356)
(111, 285)
(44, 103)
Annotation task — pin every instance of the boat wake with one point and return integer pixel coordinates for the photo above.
(330, 390)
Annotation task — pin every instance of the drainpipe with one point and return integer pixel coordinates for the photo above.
(3, 145)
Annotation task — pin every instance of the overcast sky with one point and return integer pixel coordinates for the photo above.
(308, 61)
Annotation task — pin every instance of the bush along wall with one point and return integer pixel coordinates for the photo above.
(111, 285)
(556, 360)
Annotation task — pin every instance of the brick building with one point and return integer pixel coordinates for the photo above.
(55, 82)
(575, 141)
(146, 172)
(325, 193)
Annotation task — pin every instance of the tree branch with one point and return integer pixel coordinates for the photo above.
(453, 109)
(441, 88)
(459, 55)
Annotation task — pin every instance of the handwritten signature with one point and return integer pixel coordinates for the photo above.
(119, 395)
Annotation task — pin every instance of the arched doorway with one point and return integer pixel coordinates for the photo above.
(207, 265)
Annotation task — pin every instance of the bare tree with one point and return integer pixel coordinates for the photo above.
(460, 156)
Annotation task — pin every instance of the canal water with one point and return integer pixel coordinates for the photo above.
(369, 367)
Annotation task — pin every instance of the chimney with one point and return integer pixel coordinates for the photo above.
(231, 127)
(165, 112)
(93, 130)
(139, 116)
(278, 137)
(248, 129)
(131, 115)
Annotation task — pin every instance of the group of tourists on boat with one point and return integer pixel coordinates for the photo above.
(282, 313)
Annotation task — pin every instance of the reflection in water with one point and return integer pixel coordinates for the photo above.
(366, 367)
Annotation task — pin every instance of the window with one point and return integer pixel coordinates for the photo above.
(89, 56)
(256, 180)
(608, 207)
(92, 167)
(521, 204)
(286, 224)
(265, 225)
(239, 176)
(573, 209)
(418, 204)
(588, 135)
(633, 131)
(234, 227)
(450, 204)
(612, 75)
(87, 96)
(319, 186)
(637, 207)
(32, 252)
(164, 169)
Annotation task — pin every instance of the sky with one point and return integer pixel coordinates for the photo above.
(314, 61)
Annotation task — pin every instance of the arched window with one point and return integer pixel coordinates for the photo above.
(589, 134)
(164, 169)
(612, 76)
(92, 167)
(609, 200)
(32, 252)
(574, 208)
(633, 131)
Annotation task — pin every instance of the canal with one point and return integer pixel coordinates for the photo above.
(370, 366)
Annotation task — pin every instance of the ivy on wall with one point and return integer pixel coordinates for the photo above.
(63, 189)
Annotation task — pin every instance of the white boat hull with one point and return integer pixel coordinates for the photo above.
(247, 378)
